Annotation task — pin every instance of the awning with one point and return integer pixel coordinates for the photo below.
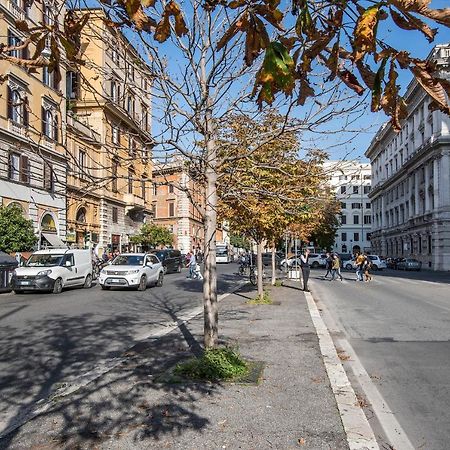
(54, 240)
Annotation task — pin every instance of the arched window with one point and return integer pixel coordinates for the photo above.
(81, 215)
(16, 205)
(48, 223)
(16, 106)
(49, 127)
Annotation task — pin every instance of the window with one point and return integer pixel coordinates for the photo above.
(366, 177)
(343, 205)
(49, 182)
(130, 105)
(47, 15)
(72, 85)
(130, 181)
(171, 209)
(356, 237)
(114, 55)
(354, 177)
(154, 210)
(155, 189)
(366, 189)
(356, 189)
(143, 187)
(14, 41)
(367, 220)
(50, 123)
(343, 237)
(115, 91)
(367, 205)
(355, 220)
(17, 106)
(19, 168)
(115, 214)
(343, 219)
(343, 189)
(81, 215)
(144, 118)
(49, 79)
(356, 205)
(342, 177)
(170, 188)
(131, 146)
(82, 163)
(115, 134)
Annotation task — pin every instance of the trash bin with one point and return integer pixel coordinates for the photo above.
(7, 266)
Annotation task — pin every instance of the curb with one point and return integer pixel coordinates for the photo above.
(356, 426)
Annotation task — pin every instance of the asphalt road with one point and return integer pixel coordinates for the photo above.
(398, 326)
(48, 339)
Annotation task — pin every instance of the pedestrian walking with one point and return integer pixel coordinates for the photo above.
(367, 266)
(360, 259)
(192, 265)
(304, 264)
(336, 268)
(328, 264)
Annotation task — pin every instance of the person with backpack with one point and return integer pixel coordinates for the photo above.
(329, 265)
(336, 268)
(360, 260)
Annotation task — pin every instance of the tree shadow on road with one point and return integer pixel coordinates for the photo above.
(126, 402)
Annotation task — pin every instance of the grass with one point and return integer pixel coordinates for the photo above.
(278, 283)
(266, 300)
(216, 364)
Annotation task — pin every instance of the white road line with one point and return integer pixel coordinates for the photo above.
(357, 428)
(392, 429)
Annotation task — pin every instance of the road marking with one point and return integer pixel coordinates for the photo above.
(356, 426)
(68, 387)
(394, 432)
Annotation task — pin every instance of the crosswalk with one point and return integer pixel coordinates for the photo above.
(383, 280)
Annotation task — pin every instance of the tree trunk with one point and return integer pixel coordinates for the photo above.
(274, 276)
(260, 268)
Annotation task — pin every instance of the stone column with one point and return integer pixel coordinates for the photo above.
(383, 211)
(416, 193)
(426, 191)
(436, 183)
(410, 190)
(444, 178)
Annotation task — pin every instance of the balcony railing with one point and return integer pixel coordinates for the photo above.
(16, 127)
(133, 202)
(48, 143)
(16, 10)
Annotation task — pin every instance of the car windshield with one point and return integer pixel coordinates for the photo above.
(129, 260)
(152, 259)
(160, 255)
(44, 260)
(221, 251)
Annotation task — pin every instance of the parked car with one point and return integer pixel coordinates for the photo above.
(171, 260)
(267, 259)
(409, 264)
(315, 260)
(135, 270)
(392, 263)
(53, 270)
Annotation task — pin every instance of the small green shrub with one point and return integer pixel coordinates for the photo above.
(278, 283)
(266, 300)
(215, 364)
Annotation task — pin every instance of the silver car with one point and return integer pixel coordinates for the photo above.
(409, 264)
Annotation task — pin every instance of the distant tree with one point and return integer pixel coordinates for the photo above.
(323, 235)
(152, 236)
(16, 231)
(239, 241)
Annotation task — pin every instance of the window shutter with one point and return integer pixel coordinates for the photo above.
(9, 102)
(44, 123)
(55, 130)
(25, 112)
(24, 169)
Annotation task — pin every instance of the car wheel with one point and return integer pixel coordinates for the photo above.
(105, 288)
(159, 281)
(142, 283)
(57, 287)
(18, 291)
(348, 267)
(315, 265)
(374, 267)
(88, 281)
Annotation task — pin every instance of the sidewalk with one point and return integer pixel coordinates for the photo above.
(292, 407)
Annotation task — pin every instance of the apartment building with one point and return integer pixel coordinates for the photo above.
(351, 182)
(109, 138)
(32, 124)
(411, 180)
(178, 204)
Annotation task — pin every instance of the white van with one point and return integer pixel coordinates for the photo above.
(54, 269)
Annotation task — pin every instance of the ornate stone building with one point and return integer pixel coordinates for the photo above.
(32, 128)
(411, 180)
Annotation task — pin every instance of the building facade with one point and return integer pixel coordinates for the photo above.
(411, 180)
(351, 182)
(32, 128)
(109, 139)
(178, 204)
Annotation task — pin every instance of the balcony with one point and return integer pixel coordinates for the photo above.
(133, 203)
(48, 143)
(16, 128)
(16, 11)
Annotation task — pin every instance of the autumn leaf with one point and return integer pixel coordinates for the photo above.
(433, 87)
(173, 9)
(365, 32)
(162, 31)
(350, 80)
(366, 74)
(22, 25)
(391, 103)
(305, 91)
(377, 88)
(409, 22)
(421, 7)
